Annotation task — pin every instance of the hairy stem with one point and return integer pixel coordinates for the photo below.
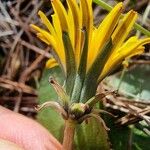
(69, 135)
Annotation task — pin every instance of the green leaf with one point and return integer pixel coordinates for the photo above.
(135, 83)
(140, 141)
(90, 83)
(119, 135)
(48, 117)
(81, 71)
(124, 138)
(70, 64)
(91, 135)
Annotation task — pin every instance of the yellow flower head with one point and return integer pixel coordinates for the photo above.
(85, 50)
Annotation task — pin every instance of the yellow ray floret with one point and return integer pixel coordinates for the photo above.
(76, 23)
(87, 16)
(46, 22)
(52, 41)
(132, 47)
(124, 27)
(61, 12)
(51, 63)
(103, 33)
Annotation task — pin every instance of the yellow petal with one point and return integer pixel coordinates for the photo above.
(107, 26)
(72, 28)
(46, 22)
(87, 15)
(92, 52)
(36, 28)
(61, 12)
(137, 51)
(42, 38)
(56, 24)
(123, 29)
(104, 31)
(51, 63)
(51, 40)
(87, 23)
(130, 48)
(45, 35)
(77, 21)
(58, 38)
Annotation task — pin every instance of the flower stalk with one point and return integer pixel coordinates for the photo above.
(69, 132)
